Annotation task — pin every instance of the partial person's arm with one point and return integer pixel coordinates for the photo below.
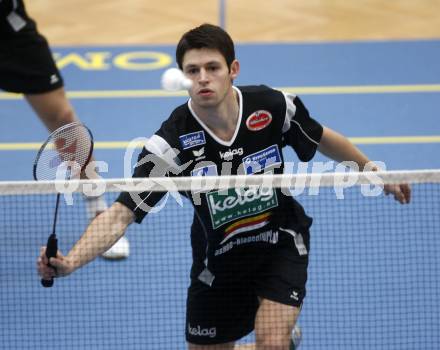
(305, 135)
(100, 235)
(339, 148)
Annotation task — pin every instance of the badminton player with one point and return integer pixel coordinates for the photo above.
(250, 247)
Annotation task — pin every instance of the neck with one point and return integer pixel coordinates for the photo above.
(223, 117)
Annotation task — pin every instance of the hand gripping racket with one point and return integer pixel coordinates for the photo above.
(63, 156)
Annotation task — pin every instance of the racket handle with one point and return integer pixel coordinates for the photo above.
(51, 251)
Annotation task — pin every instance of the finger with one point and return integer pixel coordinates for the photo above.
(46, 272)
(407, 192)
(390, 189)
(43, 264)
(47, 275)
(40, 262)
(404, 193)
(43, 255)
(398, 195)
(402, 199)
(57, 263)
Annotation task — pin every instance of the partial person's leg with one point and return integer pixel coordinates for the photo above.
(226, 346)
(53, 108)
(274, 324)
(29, 68)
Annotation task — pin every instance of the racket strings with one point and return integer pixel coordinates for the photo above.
(65, 154)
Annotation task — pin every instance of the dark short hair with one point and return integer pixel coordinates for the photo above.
(207, 36)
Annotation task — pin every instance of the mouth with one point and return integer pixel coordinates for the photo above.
(205, 92)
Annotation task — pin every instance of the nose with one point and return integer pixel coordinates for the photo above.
(203, 76)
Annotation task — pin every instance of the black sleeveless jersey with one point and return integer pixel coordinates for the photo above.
(183, 146)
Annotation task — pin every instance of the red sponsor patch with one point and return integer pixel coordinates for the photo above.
(258, 120)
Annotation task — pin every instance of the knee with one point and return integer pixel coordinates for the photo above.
(58, 117)
(61, 116)
(53, 108)
(273, 341)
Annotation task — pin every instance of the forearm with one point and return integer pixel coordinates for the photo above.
(100, 235)
(339, 148)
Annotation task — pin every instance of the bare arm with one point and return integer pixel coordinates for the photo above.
(100, 235)
(339, 148)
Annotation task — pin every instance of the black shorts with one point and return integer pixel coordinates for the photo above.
(26, 62)
(226, 310)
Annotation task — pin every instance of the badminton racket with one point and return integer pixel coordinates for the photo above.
(63, 156)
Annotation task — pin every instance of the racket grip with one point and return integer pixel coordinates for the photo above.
(51, 251)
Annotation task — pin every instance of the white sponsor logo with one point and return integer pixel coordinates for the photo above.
(230, 153)
(267, 236)
(232, 204)
(192, 140)
(239, 197)
(202, 332)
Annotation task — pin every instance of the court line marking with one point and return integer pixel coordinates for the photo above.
(303, 90)
(382, 140)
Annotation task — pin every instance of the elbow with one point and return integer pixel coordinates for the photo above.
(119, 215)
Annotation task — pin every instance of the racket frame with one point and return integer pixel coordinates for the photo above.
(50, 137)
(52, 241)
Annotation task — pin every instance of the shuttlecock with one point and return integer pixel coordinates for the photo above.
(173, 79)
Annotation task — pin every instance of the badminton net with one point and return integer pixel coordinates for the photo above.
(373, 276)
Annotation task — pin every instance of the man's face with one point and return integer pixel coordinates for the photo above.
(211, 77)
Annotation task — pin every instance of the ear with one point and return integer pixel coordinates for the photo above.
(234, 70)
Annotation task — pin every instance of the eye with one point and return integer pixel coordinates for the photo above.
(191, 71)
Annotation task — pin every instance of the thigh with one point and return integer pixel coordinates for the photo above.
(227, 346)
(274, 323)
(221, 313)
